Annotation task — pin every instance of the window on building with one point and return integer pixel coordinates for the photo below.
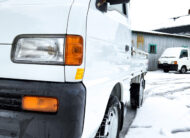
(140, 41)
(152, 49)
(185, 46)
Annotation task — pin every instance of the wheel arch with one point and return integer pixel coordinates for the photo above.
(117, 91)
(180, 66)
(184, 66)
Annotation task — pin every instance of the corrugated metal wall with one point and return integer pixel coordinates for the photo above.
(143, 40)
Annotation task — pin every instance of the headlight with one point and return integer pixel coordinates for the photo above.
(38, 49)
(174, 62)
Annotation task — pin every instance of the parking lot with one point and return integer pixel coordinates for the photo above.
(166, 109)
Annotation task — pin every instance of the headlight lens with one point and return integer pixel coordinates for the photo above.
(174, 62)
(42, 50)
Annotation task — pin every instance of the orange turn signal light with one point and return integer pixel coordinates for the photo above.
(175, 62)
(74, 50)
(39, 104)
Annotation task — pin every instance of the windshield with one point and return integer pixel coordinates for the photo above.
(171, 53)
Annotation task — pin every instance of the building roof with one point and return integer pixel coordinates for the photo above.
(185, 29)
(161, 34)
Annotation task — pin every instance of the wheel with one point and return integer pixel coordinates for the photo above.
(137, 94)
(166, 70)
(183, 70)
(111, 122)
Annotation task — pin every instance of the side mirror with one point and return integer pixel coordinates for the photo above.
(103, 4)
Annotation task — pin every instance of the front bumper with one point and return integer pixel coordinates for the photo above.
(66, 123)
(171, 67)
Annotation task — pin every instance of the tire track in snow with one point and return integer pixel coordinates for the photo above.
(180, 130)
(170, 92)
(141, 127)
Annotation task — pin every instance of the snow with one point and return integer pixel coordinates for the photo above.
(166, 109)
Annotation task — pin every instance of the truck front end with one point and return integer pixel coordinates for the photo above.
(169, 60)
(36, 98)
(168, 65)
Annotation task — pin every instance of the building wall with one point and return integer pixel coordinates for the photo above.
(143, 40)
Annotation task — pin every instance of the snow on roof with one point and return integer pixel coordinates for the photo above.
(178, 48)
(184, 29)
(170, 23)
(161, 34)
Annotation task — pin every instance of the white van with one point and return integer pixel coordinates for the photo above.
(67, 69)
(175, 59)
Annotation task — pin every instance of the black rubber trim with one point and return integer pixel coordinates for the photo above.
(66, 123)
(134, 95)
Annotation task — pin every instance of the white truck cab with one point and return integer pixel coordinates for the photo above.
(67, 68)
(175, 59)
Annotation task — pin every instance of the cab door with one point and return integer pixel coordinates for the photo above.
(184, 58)
(108, 44)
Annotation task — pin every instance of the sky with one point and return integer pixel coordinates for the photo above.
(154, 14)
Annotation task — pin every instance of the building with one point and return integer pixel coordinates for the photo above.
(183, 30)
(155, 43)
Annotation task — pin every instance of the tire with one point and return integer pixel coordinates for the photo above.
(166, 70)
(183, 70)
(110, 126)
(137, 94)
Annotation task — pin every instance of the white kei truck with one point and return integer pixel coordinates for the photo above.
(175, 59)
(67, 68)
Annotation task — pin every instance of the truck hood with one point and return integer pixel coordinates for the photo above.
(32, 17)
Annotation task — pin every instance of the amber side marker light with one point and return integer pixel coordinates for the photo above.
(39, 104)
(175, 62)
(73, 50)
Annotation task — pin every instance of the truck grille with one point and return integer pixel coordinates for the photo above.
(10, 102)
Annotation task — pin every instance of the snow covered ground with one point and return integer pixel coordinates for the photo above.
(166, 109)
